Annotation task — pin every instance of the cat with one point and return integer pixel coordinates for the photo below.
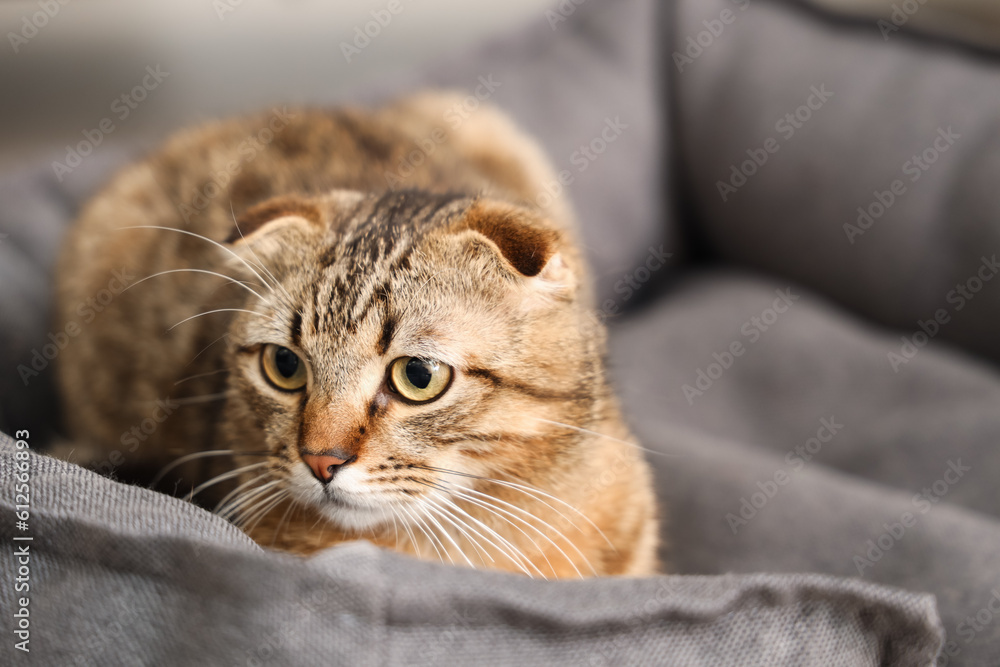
(374, 325)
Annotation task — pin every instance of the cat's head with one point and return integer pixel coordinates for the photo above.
(405, 342)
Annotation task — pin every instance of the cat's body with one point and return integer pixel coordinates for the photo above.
(386, 354)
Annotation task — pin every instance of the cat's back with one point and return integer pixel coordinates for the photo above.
(203, 179)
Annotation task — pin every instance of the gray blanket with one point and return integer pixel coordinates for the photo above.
(813, 372)
(122, 575)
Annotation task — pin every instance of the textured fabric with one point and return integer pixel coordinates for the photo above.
(35, 211)
(132, 576)
(807, 452)
(901, 111)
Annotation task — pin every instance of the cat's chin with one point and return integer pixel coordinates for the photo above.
(350, 517)
(345, 508)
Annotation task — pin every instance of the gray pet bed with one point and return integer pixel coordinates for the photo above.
(823, 402)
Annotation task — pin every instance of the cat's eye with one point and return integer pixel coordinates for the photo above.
(419, 380)
(283, 368)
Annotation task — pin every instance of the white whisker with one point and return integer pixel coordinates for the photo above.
(512, 552)
(395, 526)
(260, 262)
(204, 238)
(205, 398)
(224, 310)
(601, 435)
(202, 375)
(492, 500)
(275, 499)
(406, 527)
(193, 359)
(418, 523)
(235, 492)
(223, 477)
(199, 455)
(211, 273)
(512, 525)
(531, 492)
(234, 506)
(281, 521)
(463, 527)
(444, 531)
(250, 511)
(435, 523)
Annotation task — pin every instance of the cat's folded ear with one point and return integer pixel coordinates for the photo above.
(275, 225)
(529, 244)
(268, 217)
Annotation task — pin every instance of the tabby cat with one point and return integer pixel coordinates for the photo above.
(370, 325)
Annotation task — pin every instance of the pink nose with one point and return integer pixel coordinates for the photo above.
(323, 466)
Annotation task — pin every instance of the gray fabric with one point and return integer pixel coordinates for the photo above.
(35, 211)
(121, 574)
(732, 468)
(891, 97)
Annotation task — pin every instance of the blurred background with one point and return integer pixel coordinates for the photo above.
(63, 80)
(86, 54)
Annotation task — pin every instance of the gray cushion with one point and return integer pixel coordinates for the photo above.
(807, 452)
(797, 214)
(132, 576)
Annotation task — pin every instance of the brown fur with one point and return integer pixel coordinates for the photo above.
(522, 464)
